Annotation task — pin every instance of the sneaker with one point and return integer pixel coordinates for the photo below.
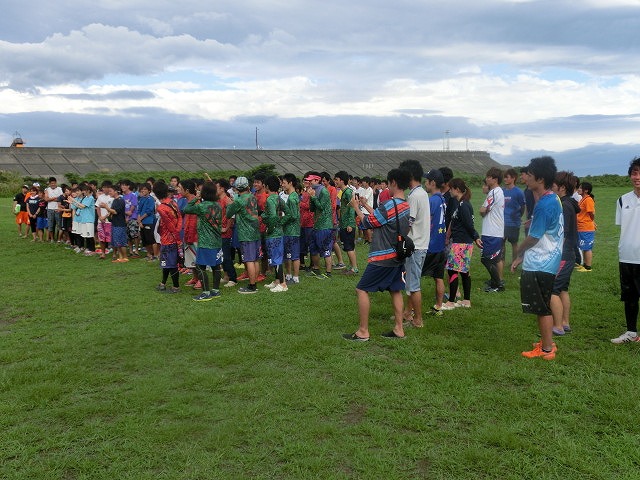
(161, 288)
(192, 281)
(339, 266)
(261, 278)
(392, 335)
(626, 337)
(230, 283)
(293, 280)
(436, 312)
(490, 289)
(243, 276)
(279, 288)
(312, 272)
(580, 268)
(463, 304)
(271, 285)
(327, 275)
(205, 297)
(566, 328)
(557, 331)
(89, 253)
(448, 306)
(197, 285)
(239, 266)
(172, 290)
(539, 352)
(247, 290)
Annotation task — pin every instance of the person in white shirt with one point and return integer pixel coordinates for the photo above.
(628, 217)
(492, 212)
(54, 217)
(419, 232)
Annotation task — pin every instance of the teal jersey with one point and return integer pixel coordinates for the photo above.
(245, 208)
(321, 208)
(291, 219)
(347, 213)
(209, 222)
(272, 215)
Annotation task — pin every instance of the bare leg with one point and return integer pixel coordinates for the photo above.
(396, 301)
(364, 305)
(545, 324)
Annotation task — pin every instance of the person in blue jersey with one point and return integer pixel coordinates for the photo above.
(384, 271)
(540, 254)
(514, 207)
(436, 258)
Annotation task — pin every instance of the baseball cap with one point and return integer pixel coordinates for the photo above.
(36, 184)
(313, 177)
(435, 175)
(241, 183)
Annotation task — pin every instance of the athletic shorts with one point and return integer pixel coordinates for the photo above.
(434, 265)
(535, 292)
(512, 234)
(380, 279)
(413, 270)
(211, 257)
(251, 251)
(190, 255)
(42, 223)
(585, 240)
(169, 256)
(459, 258)
(292, 247)
(104, 232)
(75, 227)
(119, 237)
(563, 277)
(86, 230)
(348, 239)
(629, 282)
(133, 229)
(66, 224)
(146, 234)
(321, 243)
(275, 251)
(22, 218)
(491, 247)
(306, 233)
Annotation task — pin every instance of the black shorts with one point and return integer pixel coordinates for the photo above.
(512, 234)
(535, 292)
(433, 265)
(348, 239)
(629, 282)
(146, 234)
(561, 283)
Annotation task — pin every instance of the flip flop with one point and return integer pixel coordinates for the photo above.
(393, 335)
(354, 337)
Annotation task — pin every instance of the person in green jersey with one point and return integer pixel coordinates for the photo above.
(245, 208)
(322, 239)
(347, 221)
(291, 228)
(209, 253)
(274, 237)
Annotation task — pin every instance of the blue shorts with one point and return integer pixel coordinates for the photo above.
(42, 223)
(210, 257)
(275, 251)
(491, 247)
(306, 233)
(322, 243)
(119, 237)
(380, 279)
(585, 240)
(251, 251)
(348, 239)
(413, 270)
(292, 247)
(169, 256)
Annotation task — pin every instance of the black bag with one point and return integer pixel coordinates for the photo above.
(404, 245)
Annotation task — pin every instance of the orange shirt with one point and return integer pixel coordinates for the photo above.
(587, 214)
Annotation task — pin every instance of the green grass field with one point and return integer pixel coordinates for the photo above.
(104, 378)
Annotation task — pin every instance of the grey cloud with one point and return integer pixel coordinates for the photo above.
(117, 95)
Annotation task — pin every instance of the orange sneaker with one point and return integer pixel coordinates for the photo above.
(538, 352)
(243, 276)
(198, 285)
(192, 281)
(260, 278)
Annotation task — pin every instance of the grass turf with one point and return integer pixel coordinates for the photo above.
(103, 377)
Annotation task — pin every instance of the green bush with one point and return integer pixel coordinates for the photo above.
(10, 183)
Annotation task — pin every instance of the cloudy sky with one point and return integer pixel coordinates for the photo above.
(516, 78)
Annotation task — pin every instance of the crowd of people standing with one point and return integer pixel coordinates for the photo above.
(280, 225)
